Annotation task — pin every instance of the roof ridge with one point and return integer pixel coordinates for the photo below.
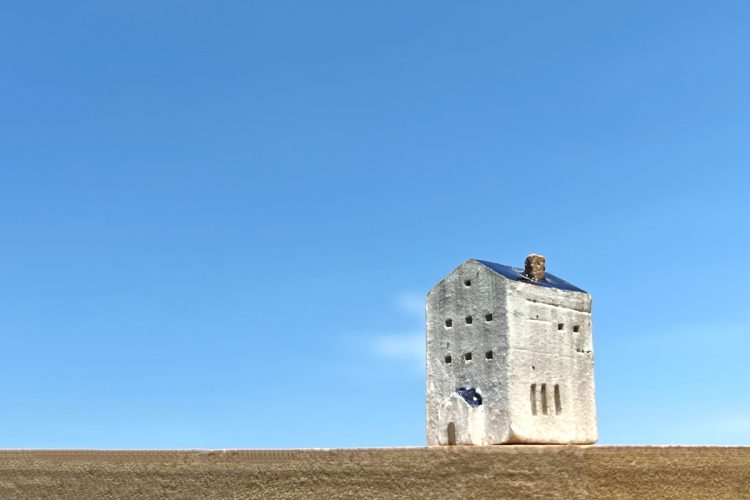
(516, 274)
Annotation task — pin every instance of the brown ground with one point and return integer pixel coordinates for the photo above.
(455, 472)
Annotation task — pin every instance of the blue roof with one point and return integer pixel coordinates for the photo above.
(516, 274)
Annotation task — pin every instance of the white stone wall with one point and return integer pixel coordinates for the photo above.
(551, 366)
(472, 300)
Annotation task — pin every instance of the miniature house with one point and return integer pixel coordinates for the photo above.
(509, 357)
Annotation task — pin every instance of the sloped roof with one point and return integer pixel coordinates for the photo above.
(516, 274)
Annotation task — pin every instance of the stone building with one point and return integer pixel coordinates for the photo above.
(509, 357)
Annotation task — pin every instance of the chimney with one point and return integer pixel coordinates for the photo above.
(534, 267)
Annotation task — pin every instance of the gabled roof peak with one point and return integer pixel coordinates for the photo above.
(517, 274)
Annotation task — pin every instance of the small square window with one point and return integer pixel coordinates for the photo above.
(576, 328)
(467, 356)
(488, 354)
(448, 359)
(488, 317)
(559, 326)
(467, 282)
(468, 320)
(448, 322)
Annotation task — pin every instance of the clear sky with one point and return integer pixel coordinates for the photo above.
(218, 220)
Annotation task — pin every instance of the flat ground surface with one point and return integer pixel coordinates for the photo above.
(455, 472)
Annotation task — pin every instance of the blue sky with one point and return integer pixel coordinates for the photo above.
(218, 221)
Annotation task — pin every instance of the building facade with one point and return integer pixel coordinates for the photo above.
(509, 357)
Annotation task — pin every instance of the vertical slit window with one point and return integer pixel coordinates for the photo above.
(532, 398)
(558, 403)
(543, 394)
